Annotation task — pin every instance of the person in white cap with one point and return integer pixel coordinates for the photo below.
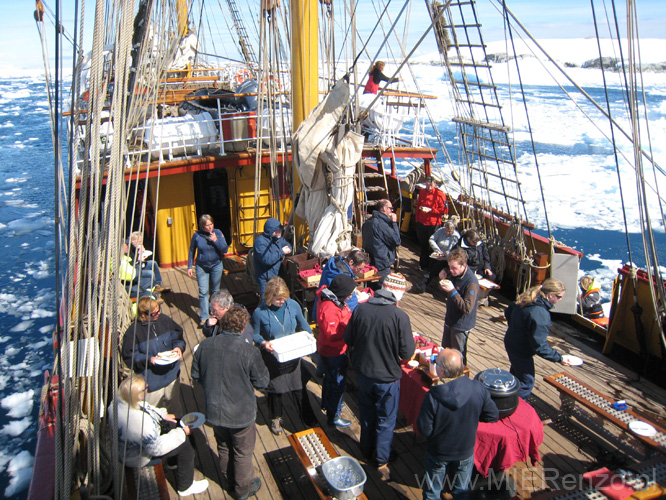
(378, 336)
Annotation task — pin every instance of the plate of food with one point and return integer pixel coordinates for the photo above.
(193, 420)
(413, 364)
(426, 209)
(166, 358)
(642, 428)
(572, 360)
(146, 254)
(437, 255)
(445, 282)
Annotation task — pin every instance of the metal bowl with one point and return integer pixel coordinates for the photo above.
(345, 477)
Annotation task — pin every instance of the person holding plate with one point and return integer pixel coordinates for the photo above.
(143, 436)
(279, 316)
(529, 322)
(152, 347)
(147, 269)
(209, 246)
(429, 208)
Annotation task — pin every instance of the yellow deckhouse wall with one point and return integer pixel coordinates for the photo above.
(176, 217)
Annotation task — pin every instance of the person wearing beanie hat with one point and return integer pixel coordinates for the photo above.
(269, 249)
(396, 284)
(347, 264)
(332, 317)
(378, 336)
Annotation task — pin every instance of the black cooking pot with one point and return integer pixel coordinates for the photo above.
(503, 388)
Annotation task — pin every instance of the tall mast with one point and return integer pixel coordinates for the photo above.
(304, 69)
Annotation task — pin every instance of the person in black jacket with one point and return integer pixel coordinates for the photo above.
(478, 258)
(529, 321)
(381, 236)
(462, 288)
(220, 302)
(448, 419)
(378, 336)
(153, 333)
(229, 370)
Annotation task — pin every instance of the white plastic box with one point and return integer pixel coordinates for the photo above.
(294, 346)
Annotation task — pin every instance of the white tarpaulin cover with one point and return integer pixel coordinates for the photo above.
(320, 149)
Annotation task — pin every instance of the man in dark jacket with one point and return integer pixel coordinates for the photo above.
(151, 334)
(229, 370)
(478, 258)
(381, 236)
(449, 417)
(269, 250)
(461, 304)
(378, 336)
(220, 302)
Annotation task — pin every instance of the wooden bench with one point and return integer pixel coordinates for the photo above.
(323, 451)
(147, 482)
(574, 391)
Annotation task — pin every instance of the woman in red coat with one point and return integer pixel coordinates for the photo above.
(332, 317)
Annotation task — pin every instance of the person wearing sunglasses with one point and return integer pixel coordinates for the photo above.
(529, 323)
(381, 238)
(152, 347)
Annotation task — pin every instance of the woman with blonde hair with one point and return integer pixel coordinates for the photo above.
(145, 433)
(376, 77)
(529, 321)
(279, 316)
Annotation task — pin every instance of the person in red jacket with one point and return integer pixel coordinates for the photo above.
(376, 77)
(429, 208)
(332, 317)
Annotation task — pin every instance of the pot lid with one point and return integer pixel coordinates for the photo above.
(497, 379)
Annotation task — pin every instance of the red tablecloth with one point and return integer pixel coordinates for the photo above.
(498, 445)
(513, 439)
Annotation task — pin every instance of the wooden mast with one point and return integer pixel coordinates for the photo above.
(304, 72)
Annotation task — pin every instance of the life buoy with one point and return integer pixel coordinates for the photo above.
(275, 83)
(242, 75)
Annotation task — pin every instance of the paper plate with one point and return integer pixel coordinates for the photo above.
(572, 360)
(165, 361)
(413, 364)
(642, 428)
(193, 420)
(146, 254)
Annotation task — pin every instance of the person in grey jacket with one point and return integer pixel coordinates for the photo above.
(220, 302)
(449, 416)
(529, 322)
(229, 369)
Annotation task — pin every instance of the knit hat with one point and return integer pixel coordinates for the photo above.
(395, 283)
(342, 286)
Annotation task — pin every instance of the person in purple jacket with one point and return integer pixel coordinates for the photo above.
(209, 246)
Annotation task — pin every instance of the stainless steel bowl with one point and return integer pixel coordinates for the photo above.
(345, 477)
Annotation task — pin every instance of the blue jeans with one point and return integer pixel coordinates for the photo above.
(333, 387)
(378, 408)
(522, 367)
(459, 472)
(456, 339)
(209, 283)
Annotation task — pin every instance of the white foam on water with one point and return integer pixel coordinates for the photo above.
(22, 326)
(16, 427)
(20, 470)
(19, 404)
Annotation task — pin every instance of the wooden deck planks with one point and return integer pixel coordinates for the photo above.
(568, 448)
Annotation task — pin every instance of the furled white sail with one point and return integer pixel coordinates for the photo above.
(321, 149)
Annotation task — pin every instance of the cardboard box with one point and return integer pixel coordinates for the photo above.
(294, 346)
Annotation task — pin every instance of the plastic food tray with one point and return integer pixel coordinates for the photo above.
(294, 346)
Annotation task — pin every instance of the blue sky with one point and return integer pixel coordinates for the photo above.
(20, 47)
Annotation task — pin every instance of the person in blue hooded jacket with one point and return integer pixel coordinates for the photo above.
(355, 260)
(269, 250)
(449, 416)
(529, 321)
(209, 246)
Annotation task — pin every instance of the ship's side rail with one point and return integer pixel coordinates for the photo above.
(573, 391)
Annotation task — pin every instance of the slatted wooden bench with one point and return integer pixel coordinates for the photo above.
(319, 451)
(574, 391)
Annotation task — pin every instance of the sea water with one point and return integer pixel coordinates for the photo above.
(577, 167)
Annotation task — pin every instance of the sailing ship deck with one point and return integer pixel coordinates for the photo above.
(568, 448)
